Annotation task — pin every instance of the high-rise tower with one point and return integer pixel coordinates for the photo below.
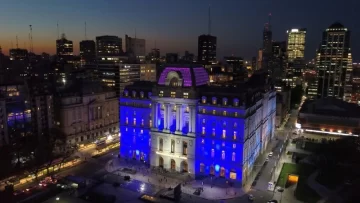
(296, 44)
(334, 63)
(267, 44)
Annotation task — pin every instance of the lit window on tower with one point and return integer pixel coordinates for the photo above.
(203, 131)
(235, 133)
(213, 132)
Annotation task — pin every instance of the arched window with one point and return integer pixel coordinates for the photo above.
(224, 134)
(203, 100)
(172, 146)
(126, 93)
(214, 100)
(141, 94)
(236, 102)
(161, 143)
(225, 101)
(133, 93)
(233, 156)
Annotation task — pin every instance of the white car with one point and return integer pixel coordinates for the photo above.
(270, 154)
(251, 197)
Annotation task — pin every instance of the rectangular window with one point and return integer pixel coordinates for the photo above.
(214, 112)
(134, 122)
(203, 111)
(186, 95)
(203, 131)
(224, 113)
(213, 132)
(173, 94)
(235, 134)
(185, 148)
(224, 134)
(126, 120)
(236, 114)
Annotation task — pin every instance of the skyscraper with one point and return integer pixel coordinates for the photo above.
(267, 45)
(296, 44)
(87, 51)
(207, 49)
(64, 49)
(334, 63)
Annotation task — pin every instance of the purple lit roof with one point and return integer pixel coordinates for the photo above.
(200, 75)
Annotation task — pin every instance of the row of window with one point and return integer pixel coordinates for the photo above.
(224, 101)
(224, 113)
(213, 133)
(134, 122)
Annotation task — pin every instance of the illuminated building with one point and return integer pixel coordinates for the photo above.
(18, 54)
(87, 52)
(128, 74)
(109, 55)
(172, 58)
(334, 64)
(182, 124)
(64, 49)
(296, 44)
(88, 111)
(267, 45)
(329, 116)
(207, 49)
(136, 46)
(15, 114)
(355, 96)
(148, 72)
(277, 61)
(154, 55)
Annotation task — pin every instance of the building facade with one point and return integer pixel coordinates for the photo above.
(87, 52)
(296, 44)
(207, 49)
(148, 72)
(64, 49)
(182, 124)
(136, 46)
(88, 112)
(334, 64)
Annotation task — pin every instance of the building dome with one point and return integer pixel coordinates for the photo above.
(184, 76)
(336, 25)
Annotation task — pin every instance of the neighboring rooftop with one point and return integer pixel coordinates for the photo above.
(331, 107)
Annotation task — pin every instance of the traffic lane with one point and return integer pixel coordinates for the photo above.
(86, 169)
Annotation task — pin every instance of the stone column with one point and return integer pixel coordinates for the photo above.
(169, 115)
(181, 125)
(193, 119)
(153, 115)
(178, 108)
(165, 116)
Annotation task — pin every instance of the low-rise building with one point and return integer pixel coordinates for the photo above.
(329, 116)
(88, 111)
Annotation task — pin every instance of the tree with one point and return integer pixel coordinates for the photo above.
(296, 95)
(5, 161)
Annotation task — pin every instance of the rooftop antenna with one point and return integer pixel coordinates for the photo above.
(269, 21)
(209, 23)
(85, 32)
(57, 29)
(17, 42)
(31, 40)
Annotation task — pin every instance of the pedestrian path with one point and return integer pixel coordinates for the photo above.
(212, 188)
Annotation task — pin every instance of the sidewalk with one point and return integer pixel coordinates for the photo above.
(215, 189)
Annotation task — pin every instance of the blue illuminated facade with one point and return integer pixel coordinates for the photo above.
(198, 129)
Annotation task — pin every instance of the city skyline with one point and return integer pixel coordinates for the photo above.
(174, 30)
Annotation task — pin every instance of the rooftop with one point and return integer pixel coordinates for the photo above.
(331, 107)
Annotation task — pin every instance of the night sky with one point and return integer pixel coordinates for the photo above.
(174, 24)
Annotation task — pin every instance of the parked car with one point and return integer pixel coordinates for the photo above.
(272, 201)
(251, 197)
